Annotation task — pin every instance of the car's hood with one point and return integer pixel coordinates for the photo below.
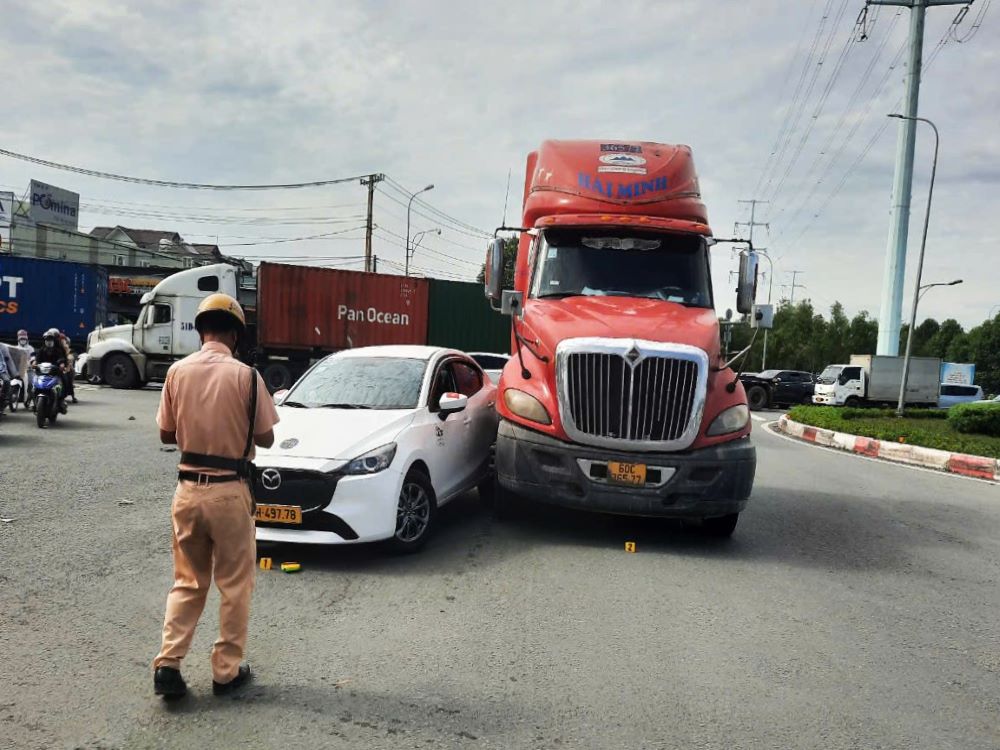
(114, 332)
(331, 436)
(554, 320)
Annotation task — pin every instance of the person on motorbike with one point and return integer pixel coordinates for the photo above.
(8, 370)
(69, 374)
(52, 353)
(24, 344)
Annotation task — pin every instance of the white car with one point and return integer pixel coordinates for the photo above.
(371, 443)
(491, 363)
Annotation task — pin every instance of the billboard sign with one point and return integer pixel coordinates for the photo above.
(954, 373)
(6, 208)
(54, 206)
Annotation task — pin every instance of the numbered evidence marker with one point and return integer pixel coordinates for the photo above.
(630, 546)
(265, 563)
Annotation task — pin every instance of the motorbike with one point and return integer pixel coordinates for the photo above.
(48, 399)
(14, 394)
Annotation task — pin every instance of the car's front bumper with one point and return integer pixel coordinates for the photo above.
(351, 509)
(704, 483)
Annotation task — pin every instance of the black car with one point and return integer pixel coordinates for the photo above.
(778, 388)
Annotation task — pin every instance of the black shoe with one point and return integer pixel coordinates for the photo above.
(168, 683)
(225, 688)
(73, 399)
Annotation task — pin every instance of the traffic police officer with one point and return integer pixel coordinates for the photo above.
(205, 409)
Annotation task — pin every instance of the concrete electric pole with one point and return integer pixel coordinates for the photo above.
(890, 311)
(794, 286)
(753, 203)
(370, 182)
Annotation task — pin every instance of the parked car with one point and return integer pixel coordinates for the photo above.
(492, 364)
(371, 442)
(958, 394)
(778, 388)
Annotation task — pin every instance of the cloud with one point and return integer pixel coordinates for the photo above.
(457, 94)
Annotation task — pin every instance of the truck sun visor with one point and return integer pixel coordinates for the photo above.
(620, 243)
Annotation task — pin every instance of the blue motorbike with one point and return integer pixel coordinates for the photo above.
(48, 401)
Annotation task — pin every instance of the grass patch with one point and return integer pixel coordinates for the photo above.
(919, 427)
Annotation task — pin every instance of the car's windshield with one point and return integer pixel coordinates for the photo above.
(768, 374)
(360, 383)
(620, 262)
(829, 375)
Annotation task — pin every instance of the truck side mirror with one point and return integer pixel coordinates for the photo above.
(746, 291)
(493, 273)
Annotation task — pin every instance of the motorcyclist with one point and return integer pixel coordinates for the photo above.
(52, 353)
(23, 343)
(8, 370)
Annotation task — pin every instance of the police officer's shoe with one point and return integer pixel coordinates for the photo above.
(225, 688)
(167, 682)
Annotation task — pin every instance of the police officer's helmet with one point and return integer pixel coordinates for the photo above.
(220, 312)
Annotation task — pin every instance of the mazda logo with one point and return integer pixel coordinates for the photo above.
(271, 479)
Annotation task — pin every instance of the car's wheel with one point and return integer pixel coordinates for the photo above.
(41, 407)
(416, 512)
(277, 377)
(120, 372)
(721, 527)
(853, 402)
(758, 398)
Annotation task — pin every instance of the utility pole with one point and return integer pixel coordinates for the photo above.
(753, 202)
(370, 181)
(891, 309)
(794, 286)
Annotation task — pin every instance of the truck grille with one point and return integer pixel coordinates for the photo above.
(632, 396)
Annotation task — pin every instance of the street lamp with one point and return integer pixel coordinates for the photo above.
(920, 264)
(418, 237)
(409, 205)
(770, 286)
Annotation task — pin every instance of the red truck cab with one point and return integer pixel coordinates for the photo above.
(623, 403)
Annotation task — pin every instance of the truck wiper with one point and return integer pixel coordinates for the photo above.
(344, 406)
(294, 404)
(559, 295)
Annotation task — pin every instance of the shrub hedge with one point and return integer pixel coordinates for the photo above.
(978, 417)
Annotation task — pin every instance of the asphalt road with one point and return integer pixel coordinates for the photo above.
(856, 607)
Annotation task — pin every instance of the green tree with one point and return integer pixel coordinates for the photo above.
(509, 263)
(950, 330)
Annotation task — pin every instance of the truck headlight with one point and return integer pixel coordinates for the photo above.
(527, 406)
(733, 419)
(373, 461)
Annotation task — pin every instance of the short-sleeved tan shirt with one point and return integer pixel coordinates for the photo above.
(206, 401)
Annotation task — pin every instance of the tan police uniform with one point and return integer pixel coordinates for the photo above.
(206, 401)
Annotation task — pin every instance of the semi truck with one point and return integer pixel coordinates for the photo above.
(295, 315)
(617, 398)
(37, 294)
(874, 380)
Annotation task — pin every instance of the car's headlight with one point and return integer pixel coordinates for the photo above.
(525, 405)
(733, 419)
(373, 461)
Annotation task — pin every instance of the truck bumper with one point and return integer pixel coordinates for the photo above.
(704, 483)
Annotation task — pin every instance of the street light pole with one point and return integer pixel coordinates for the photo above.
(900, 407)
(770, 286)
(418, 237)
(409, 206)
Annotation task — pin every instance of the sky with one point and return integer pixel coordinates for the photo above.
(779, 100)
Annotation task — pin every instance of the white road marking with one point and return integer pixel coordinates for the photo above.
(770, 427)
(758, 418)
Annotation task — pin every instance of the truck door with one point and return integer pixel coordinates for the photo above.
(850, 384)
(157, 331)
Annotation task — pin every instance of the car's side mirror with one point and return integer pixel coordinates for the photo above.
(746, 290)
(451, 403)
(493, 272)
(280, 396)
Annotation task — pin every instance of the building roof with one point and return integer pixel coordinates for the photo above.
(148, 239)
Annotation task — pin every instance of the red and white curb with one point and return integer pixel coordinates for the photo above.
(903, 453)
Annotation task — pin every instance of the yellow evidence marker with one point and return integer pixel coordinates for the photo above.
(630, 546)
(290, 567)
(265, 563)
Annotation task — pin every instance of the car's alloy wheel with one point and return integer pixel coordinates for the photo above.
(414, 513)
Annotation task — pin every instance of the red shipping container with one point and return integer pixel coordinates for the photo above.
(299, 307)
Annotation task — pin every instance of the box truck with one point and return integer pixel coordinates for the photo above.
(874, 380)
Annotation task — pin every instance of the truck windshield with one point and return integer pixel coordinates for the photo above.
(829, 375)
(622, 262)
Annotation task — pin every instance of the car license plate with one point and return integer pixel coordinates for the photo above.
(279, 513)
(620, 472)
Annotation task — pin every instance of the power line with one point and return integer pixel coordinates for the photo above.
(167, 183)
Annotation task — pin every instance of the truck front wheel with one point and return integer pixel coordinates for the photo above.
(277, 377)
(758, 397)
(721, 527)
(120, 372)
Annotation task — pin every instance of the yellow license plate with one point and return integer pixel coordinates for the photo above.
(620, 472)
(279, 513)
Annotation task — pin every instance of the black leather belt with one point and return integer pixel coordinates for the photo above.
(196, 476)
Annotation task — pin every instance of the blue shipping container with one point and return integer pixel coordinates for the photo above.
(37, 294)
